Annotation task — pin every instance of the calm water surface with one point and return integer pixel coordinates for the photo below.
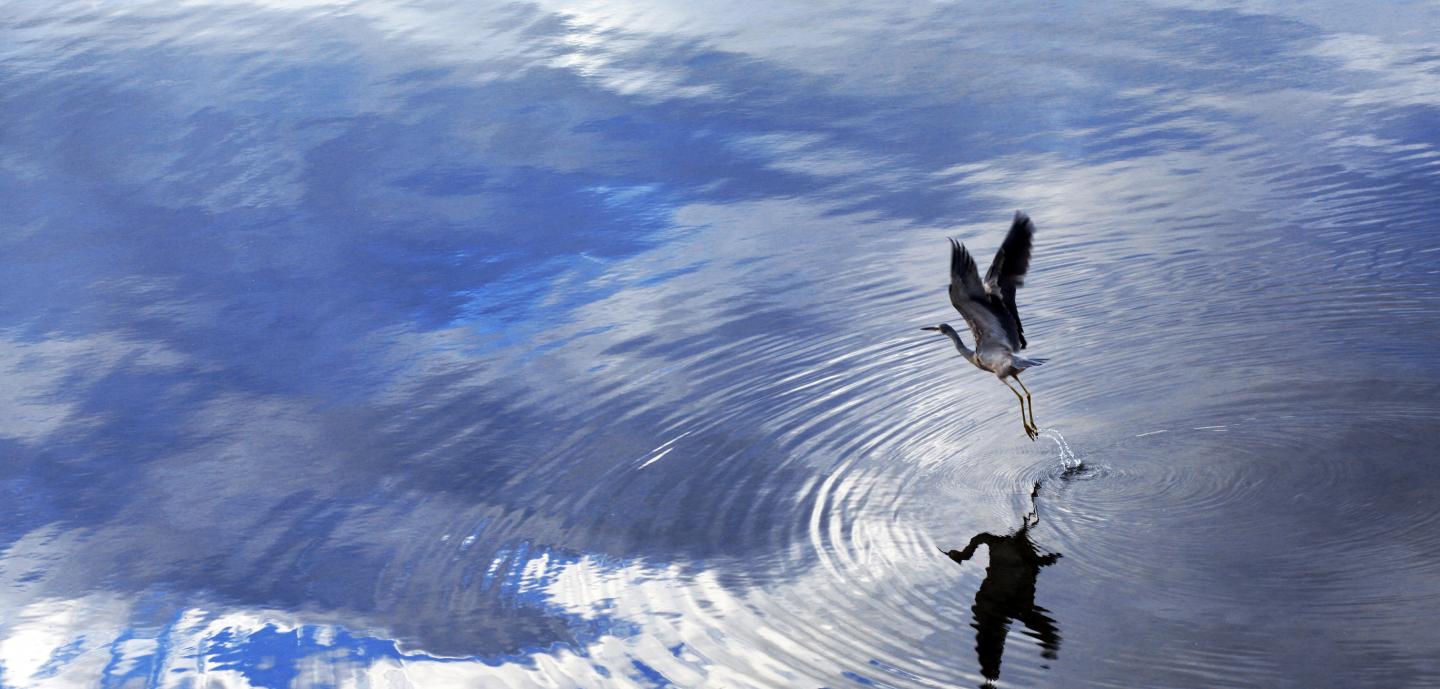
(440, 344)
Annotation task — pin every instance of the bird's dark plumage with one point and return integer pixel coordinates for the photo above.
(967, 293)
(1008, 269)
(989, 306)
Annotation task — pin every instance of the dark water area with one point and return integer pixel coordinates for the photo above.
(445, 344)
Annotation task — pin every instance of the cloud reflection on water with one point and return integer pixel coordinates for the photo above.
(304, 296)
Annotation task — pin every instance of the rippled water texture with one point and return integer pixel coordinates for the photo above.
(442, 344)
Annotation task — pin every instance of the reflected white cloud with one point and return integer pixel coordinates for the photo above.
(751, 328)
(34, 401)
(1395, 75)
(668, 620)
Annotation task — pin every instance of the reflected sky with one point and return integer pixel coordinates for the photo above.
(553, 344)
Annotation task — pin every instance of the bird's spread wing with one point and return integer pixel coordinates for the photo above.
(968, 295)
(1007, 271)
(964, 276)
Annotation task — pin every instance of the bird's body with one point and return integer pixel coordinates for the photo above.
(988, 307)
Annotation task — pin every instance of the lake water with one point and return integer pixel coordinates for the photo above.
(441, 344)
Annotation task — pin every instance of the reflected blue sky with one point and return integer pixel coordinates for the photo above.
(531, 342)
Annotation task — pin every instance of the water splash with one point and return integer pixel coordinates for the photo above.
(1068, 460)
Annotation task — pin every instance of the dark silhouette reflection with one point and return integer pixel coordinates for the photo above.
(1008, 593)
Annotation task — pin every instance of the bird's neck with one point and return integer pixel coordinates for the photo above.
(964, 351)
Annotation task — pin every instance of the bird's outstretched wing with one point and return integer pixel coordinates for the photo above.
(1007, 271)
(964, 276)
(968, 295)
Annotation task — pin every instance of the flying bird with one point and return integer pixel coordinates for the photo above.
(988, 307)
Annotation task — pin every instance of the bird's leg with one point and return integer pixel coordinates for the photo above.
(1033, 425)
(1029, 431)
(1033, 517)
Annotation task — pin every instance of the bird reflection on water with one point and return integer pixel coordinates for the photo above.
(1008, 592)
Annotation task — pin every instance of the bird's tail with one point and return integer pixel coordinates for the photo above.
(1023, 363)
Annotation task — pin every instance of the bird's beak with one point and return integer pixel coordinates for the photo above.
(931, 327)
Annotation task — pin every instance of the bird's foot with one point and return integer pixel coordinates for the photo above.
(1032, 432)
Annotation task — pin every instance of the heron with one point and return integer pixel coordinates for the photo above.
(988, 307)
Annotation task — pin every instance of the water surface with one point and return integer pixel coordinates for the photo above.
(577, 345)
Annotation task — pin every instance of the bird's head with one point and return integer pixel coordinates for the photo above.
(956, 555)
(942, 328)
